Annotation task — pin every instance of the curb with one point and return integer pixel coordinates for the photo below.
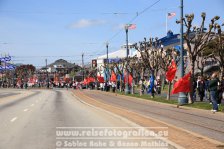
(172, 105)
(133, 124)
(170, 125)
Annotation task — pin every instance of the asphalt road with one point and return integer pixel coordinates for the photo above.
(6, 93)
(31, 122)
(201, 122)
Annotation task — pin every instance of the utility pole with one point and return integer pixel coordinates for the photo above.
(47, 74)
(127, 53)
(107, 64)
(5, 71)
(182, 99)
(82, 67)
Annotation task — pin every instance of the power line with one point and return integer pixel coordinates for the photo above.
(63, 13)
(134, 18)
(53, 56)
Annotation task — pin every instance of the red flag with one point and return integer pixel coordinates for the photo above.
(130, 78)
(90, 79)
(183, 84)
(31, 80)
(56, 79)
(113, 77)
(66, 80)
(85, 81)
(170, 74)
(100, 79)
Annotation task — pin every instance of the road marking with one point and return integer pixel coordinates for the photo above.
(25, 110)
(12, 120)
(32, 105)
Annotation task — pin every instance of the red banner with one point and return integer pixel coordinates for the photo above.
(130, 78)
(113, 77)
(100, 79)
(172, 69)
(182, 85)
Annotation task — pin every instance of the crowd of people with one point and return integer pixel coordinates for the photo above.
(210, 89)
(205, 88)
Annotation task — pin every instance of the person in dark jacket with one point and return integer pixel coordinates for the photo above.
(194, 89)
(201, 88)
(213, 87)
(221, 91)
(207, 94)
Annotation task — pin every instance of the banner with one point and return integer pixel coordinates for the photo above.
(182, 85)
(130, 78)
(113, 77)
(5, 59)
(170, 74)
(151, 87)
(100, 79)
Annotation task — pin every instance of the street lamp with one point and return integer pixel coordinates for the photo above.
(127, 53)
(83, 67)
(107, 63)
(47, 81)
(182, 99)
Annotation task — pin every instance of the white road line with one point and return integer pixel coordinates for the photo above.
(25, 110)
(32, 105)
(12, 120)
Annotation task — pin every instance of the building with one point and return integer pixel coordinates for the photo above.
(59, 70)
(115, 56)
(173, 41)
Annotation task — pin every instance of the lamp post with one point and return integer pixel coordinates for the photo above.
(82, 67)
(5, 79)
(182, 99)
(47, 74)
(107, 63)
(127, 53)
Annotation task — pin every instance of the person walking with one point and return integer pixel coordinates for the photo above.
(213, 87)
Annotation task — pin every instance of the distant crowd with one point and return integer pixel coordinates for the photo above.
(204, 88)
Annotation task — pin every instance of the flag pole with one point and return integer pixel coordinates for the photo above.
(166, 22)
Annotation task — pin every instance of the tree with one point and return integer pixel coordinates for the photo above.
(218, 52)
(196, 40)
(200, 61)
(165, 62)
(25, 71)
(151, 56)
(133, 69)
(72, 74)
(119, 66)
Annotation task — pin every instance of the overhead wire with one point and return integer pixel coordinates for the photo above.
(109, 40)
(134, 18)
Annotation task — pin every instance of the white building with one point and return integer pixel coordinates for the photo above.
(113, 56)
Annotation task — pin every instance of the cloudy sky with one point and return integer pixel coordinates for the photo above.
(34, 30)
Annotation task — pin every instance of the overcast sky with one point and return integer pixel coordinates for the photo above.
(35, 30)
